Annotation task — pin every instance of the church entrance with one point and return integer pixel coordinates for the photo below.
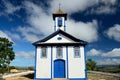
(59, 68)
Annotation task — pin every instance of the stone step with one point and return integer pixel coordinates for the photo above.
(59, 79)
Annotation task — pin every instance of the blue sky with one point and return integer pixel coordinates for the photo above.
(95, 21)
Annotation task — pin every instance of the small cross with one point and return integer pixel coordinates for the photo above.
(59, 5)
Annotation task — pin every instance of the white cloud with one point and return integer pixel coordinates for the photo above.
(107, 2)
(29, 33)
(42, 24)
(85, 31)
(114, 32)
(103, 10)
(4, 35)
(94, 52)
(113, 53)
(26, 55)
(72, 6)
(9, 8)
(13, 35)
(108, 61)
(104, 7)
(38, 18)
(106, 58)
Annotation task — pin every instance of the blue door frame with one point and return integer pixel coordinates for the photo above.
(59, 68)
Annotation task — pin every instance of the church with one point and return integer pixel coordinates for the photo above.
(60, 56)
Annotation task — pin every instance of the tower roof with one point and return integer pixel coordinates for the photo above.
(59, 11)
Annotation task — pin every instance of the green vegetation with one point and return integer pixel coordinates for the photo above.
(109, 68)
(6, 54)
(91, 65)
(12, 67)
(21, 68)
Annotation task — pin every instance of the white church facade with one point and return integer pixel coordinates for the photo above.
(60, 56)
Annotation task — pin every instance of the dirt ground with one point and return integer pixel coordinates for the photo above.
(22, 77)
(90, 77)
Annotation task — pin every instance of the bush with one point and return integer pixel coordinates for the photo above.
(30, 68)
(12, 67)
(3, 70)
(91, 65)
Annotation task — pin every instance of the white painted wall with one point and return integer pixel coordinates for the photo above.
(76, 65)
(43, 66)
(64, 53)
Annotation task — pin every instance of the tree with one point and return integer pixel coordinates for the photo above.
(91, 65)
(6, 54)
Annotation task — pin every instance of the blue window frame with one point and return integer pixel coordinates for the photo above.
(59, 52)
(43, 52)
(59, 21)
(76, 52)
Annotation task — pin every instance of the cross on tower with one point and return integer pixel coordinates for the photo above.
(59, 5)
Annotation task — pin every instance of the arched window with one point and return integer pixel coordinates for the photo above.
(43, 52)
(60, 21)
(76, 52)
(59, 52)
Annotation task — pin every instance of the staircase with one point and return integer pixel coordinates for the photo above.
(59, 79)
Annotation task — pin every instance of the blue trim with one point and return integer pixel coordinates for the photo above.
(51, 60)
(77, 79)
(64, 26)
(42, 79)
(35, 62)
(85, 65)
(54, 25)
(67, 62)
(69, 79)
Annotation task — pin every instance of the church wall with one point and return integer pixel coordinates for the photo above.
(54, 53)
(43, 66)
(76, 65)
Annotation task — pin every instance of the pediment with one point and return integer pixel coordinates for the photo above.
(59, 38)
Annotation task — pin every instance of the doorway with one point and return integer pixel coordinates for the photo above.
(59, 68)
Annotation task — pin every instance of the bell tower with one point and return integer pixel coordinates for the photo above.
(59, 20)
